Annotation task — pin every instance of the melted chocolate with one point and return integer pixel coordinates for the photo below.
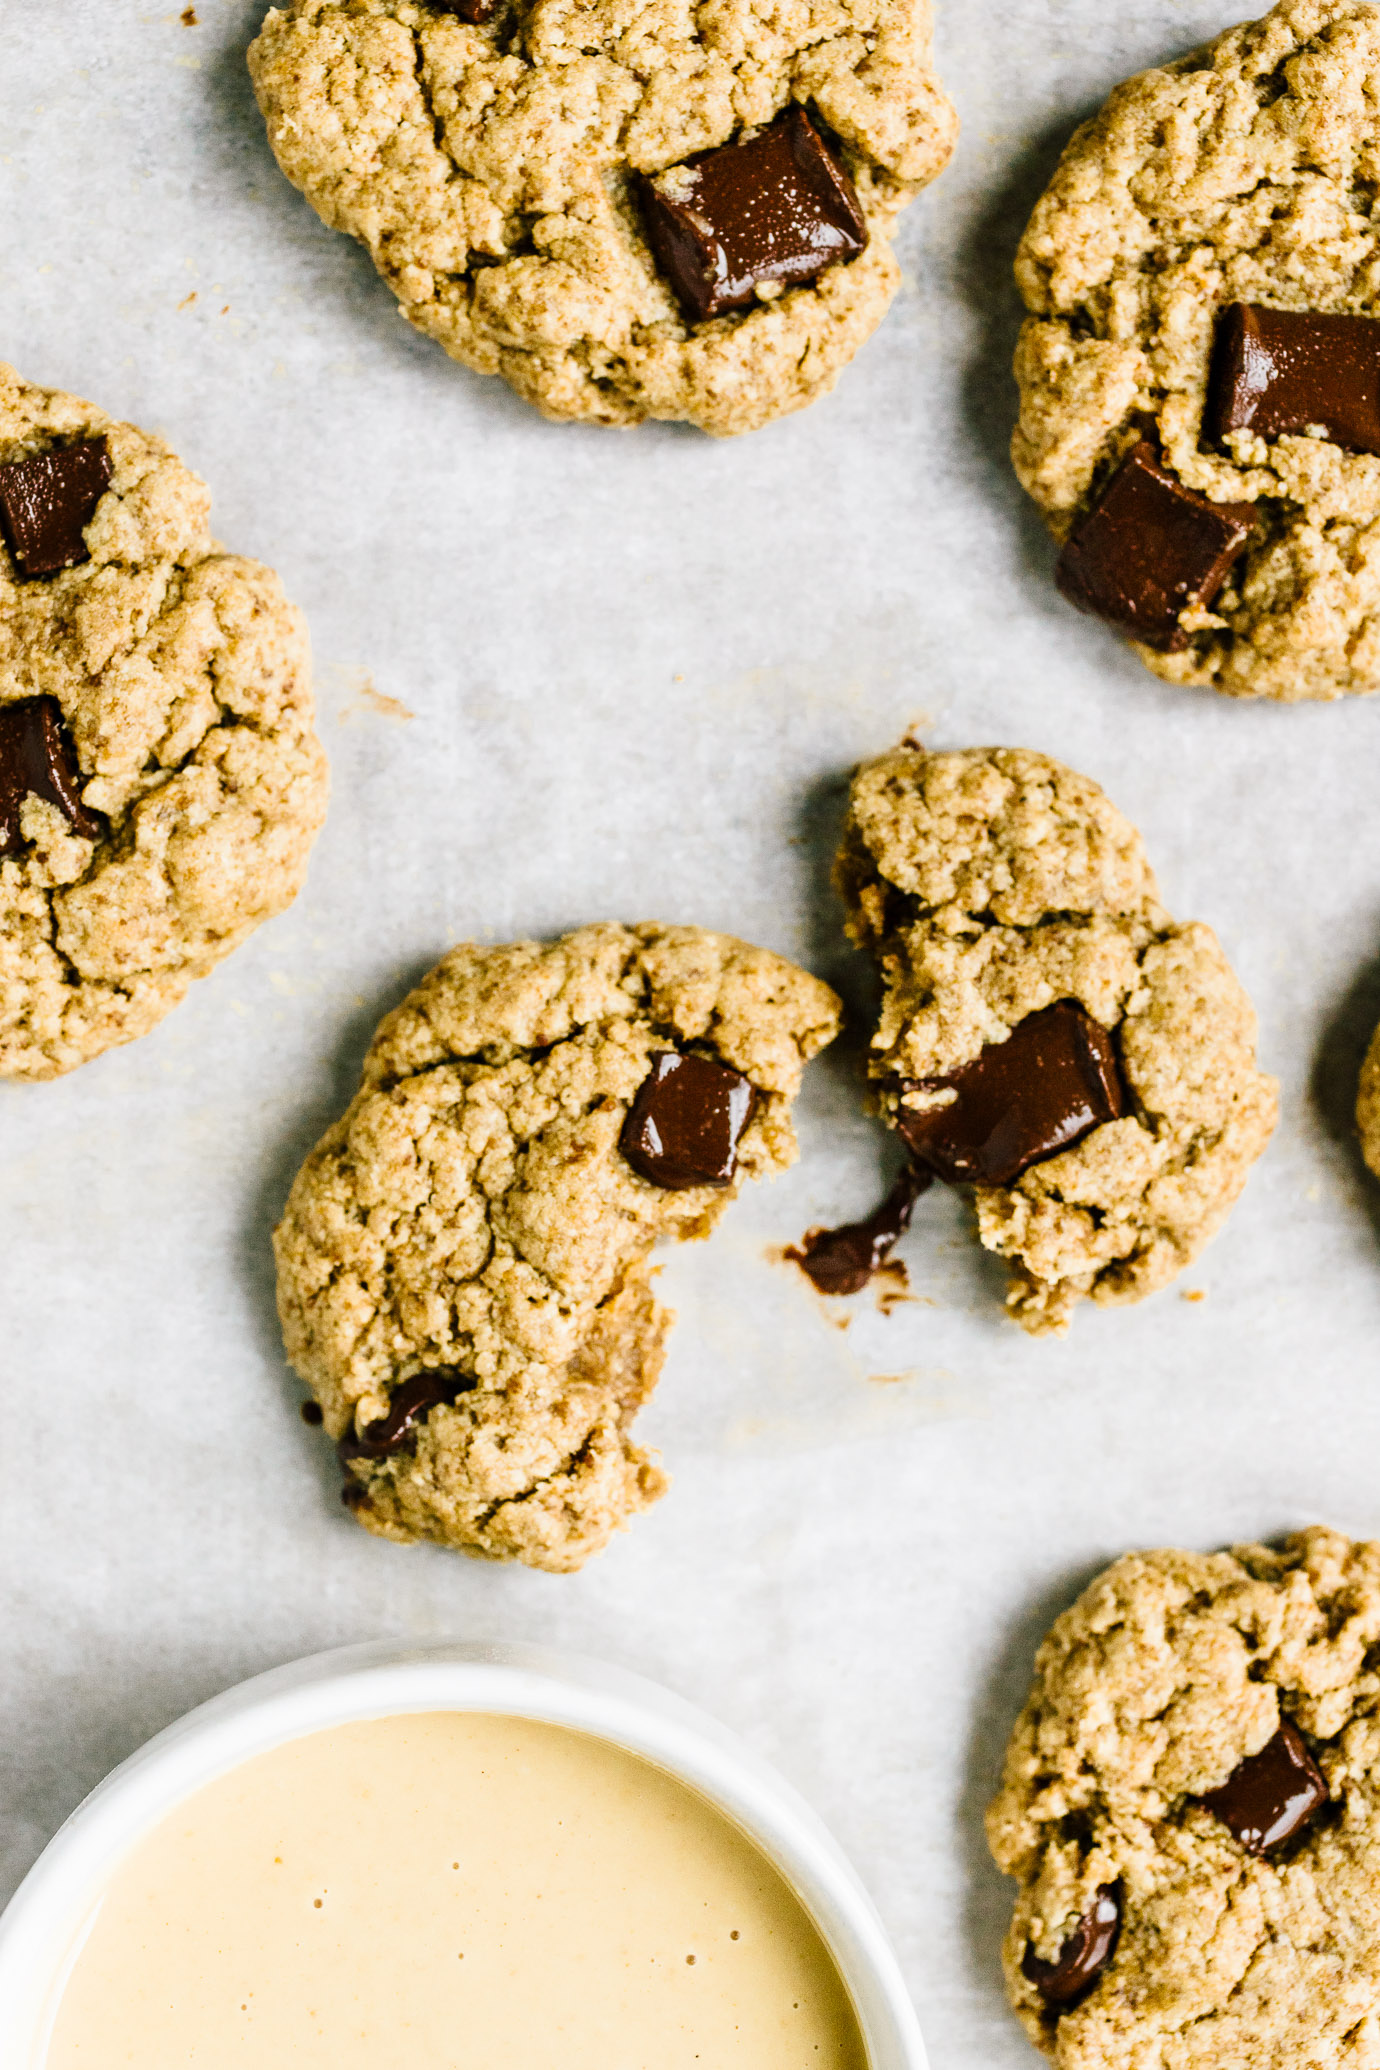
(1271, 1795)
(1282, 370)
(37, 759)
(1067, 1980)
(407, 1405)
(842, 1261)
(1053, 1080)
(1148, 548)
(775, 210)
(684, 1125)
(47, 502)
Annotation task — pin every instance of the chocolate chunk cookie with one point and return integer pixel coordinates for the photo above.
(1047, 1031)
(1191, 1807)
(627, 212)
(160, 782)
(463, 1263)
(1200, 372)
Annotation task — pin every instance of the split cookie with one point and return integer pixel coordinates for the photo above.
(1200, 373)
(463, 1262)
(626, 213)
(160, 781)
(1047, 1032)
(1191, 1807)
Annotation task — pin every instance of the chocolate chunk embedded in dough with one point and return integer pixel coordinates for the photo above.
(47, 502)
(408, 1404)
(771, 212)
(1282, 370)
(1148, 549)
(843, 1260)
(37, 759)
(683, 1126)
(1084, 1955)
(1271, 1795)
(472, 11)
(1052, 1080)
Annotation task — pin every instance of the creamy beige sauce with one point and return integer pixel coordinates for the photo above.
(452, 1892)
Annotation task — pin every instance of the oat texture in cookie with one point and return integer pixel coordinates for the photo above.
(1368, 1105)
(1046, 1030)
(1208, 197)
(618, 208)
(160, 781)
(463, 1270)
(1191, 1808)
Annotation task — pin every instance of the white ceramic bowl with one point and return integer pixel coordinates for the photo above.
(42, 1930)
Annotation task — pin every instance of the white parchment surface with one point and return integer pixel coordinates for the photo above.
(570, 674)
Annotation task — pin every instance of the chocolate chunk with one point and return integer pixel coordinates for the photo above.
(843, 1260)
(46, 504)
(683, 1126)
(311, 1413)
(1271, 1795)
(472, 11)
(1148, 548)
(1052, 1080)
(407, 1405)
(776, 210)
(1279, 370)
(1085, 1954)
(37, 757)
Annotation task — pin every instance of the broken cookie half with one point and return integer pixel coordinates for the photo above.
(463, 1263)
(1047, 1033)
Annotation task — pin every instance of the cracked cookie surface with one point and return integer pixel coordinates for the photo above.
(1149, 1692)
(992, 883)
(487, 169)
(473, 1213)
(182, 673)
(1247, 171)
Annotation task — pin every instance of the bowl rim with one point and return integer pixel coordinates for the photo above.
(44, 1926)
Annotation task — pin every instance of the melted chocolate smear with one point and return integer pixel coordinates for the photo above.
(777, 209)
(1052, 1081)
(1272, 1794)
(684, 1124)
(1067, 1980)
(1281, 370)
(47, 502)
(37, 759)
(842, 1261)
(1148, 548)
(408, 1404)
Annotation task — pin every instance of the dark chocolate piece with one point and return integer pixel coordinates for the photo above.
(1279, 370)
(1271, 1795)
(1052, 1080)
(779, 208)
(684, 1124)
(311, 1413)
(1148, 548)
(1067, 1980)
(473, 11)
(47, 502)
(407, 1405)
(36, 756)
(843, 1260)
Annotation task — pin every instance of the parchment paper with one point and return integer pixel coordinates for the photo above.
(638, 667)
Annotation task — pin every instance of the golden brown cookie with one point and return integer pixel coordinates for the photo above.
(463, 1262)
(495, 160)
(160, 781)
(1047, 1031)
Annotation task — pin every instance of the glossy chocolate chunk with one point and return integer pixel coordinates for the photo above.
(1272, 1794)
(1148, 548)
(37, 757)
(47, 502)
(1279, 370)
(683, 1127)
(472, 11)
(1084, 1955)
(775, 210)
(843, 1260)
(409, 1404)
(1052, 1080)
